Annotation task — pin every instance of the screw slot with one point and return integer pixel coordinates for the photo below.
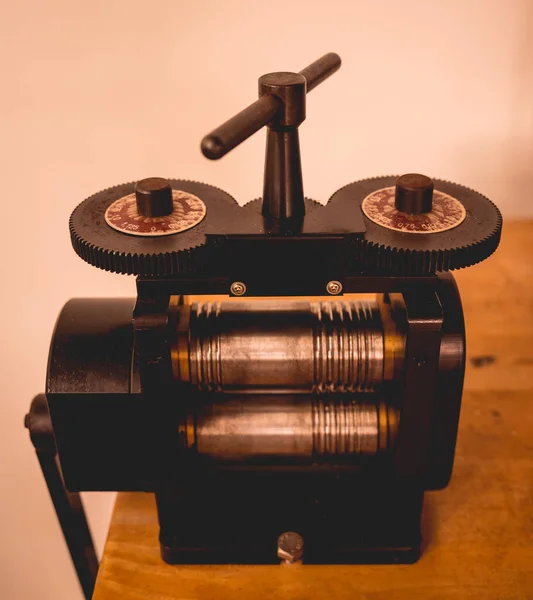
(334, 288)
(238, 288)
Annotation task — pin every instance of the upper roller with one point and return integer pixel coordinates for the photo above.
(416, 226)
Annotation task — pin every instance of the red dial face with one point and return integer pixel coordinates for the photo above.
(188, 211)
(447, 212)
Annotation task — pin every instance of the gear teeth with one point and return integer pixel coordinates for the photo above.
(160, 264)
(391, 260)
(368, 253)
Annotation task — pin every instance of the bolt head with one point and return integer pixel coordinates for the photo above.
(334, 288)
(238, 288)
(290, 546)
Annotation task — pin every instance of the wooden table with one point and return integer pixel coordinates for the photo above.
(478, 532)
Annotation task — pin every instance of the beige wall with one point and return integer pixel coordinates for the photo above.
(97, 93)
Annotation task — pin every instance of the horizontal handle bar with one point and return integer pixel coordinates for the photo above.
(244, 124)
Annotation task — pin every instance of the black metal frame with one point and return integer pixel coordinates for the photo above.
(422, 457)
(134, 414)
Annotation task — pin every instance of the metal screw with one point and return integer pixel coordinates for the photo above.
(334, 287)
(238, 288)
(290, 547)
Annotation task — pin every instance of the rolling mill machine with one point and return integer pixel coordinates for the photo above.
(288, 379)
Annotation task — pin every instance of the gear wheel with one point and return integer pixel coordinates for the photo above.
(104, 247)
(388, 251)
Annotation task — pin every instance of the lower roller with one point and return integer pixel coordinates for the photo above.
(295, 428)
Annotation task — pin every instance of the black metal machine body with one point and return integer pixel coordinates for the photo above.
(316, 411)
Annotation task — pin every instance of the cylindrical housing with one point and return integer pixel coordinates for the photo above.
(291, 346)
(292, 428)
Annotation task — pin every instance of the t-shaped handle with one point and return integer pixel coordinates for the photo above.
(281, 106)
(244, 124)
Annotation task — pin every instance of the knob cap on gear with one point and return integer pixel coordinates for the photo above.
(462, 228)
(154, 197)
(110, 232)
(414, 194)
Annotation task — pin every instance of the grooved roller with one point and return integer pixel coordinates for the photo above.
(292, 346)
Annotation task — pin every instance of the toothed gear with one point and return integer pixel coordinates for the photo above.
(393, 252)
(185, 252)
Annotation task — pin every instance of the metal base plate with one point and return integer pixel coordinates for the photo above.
(342, 519)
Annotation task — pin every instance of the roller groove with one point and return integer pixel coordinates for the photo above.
(344, 425)
(348, 345)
